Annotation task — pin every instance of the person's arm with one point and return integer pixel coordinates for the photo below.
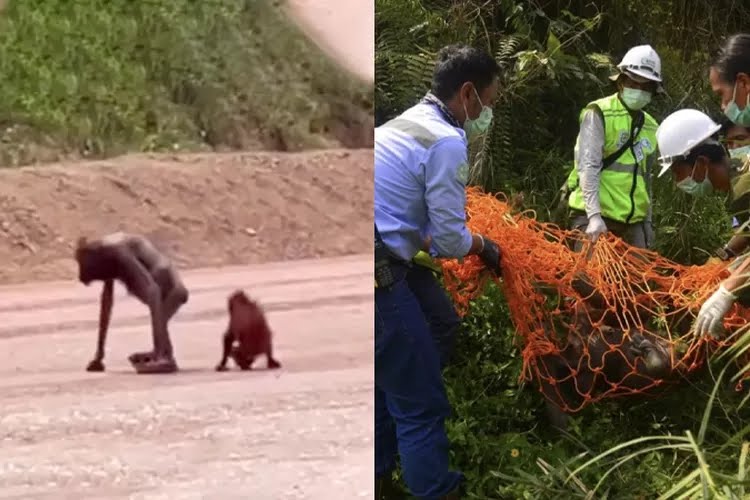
(446, 174)
(476, 244)
(740, 241)
(734, 247)
(589, 160)
(739, 278)
(710, 318)
(735, 287)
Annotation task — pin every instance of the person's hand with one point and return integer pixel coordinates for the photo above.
(596, 227)
(490, 255)
(711, 315)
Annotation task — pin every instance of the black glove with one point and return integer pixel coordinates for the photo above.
(490, 255)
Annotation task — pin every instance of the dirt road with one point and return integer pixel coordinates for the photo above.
(304, 431)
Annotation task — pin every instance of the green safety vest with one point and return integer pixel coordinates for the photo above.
(623, 194)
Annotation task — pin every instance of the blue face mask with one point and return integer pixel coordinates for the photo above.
(737, 115)
(695, 188)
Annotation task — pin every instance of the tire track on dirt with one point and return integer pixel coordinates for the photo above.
(207, 300)
(290, 433)
(57, 303)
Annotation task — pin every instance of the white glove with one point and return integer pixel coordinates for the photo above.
(710, 318)
(596, 227)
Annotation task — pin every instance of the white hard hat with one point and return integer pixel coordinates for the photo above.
(680, 132)
(642, 61)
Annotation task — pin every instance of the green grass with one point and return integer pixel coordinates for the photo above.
(107, 76)
(691, 440)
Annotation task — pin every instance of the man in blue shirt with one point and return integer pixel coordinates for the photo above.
(421, 171)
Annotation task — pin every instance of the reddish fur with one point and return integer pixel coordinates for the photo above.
(249, 331)
(248, 325)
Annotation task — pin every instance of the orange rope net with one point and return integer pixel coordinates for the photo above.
(606, 321)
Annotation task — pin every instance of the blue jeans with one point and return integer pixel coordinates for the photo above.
(437, 309)
(411, 404)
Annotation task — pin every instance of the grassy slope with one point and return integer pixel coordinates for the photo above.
(106, 76)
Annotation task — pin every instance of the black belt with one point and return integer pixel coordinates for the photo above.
(386, 263)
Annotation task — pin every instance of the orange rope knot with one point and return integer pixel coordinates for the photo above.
(571, 309)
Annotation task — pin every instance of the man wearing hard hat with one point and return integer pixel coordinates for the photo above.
(610, 186)
(700, 166)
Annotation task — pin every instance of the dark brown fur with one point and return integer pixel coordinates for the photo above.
(248, 334)
(635, 362)
(639, 358)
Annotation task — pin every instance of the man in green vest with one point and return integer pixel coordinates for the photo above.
(610, 186)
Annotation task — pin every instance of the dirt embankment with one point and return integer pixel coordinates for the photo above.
(203, 209)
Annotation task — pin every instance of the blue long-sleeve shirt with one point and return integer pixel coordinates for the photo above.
(421, 170)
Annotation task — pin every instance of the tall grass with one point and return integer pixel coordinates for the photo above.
(703, 463)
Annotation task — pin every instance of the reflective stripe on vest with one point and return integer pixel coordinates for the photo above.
(623, 193)
(418, 132)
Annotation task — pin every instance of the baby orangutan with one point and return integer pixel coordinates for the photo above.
(249, 329)
(149, 276)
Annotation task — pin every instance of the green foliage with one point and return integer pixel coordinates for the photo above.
(556, 58)
(104, 76)
(500, 440)
(689, 228)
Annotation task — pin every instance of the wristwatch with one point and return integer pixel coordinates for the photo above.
(725, 253)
